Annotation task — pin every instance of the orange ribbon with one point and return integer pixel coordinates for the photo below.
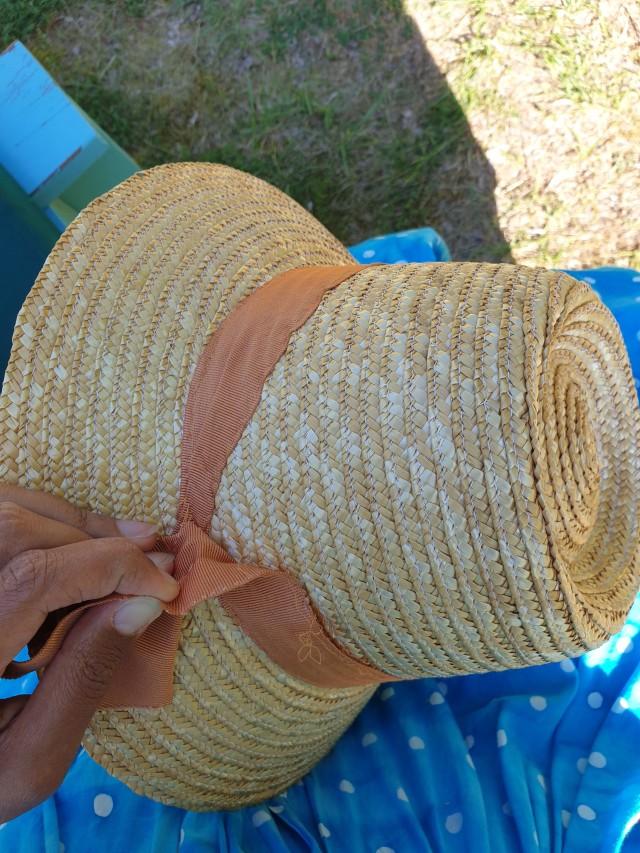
(270, 606)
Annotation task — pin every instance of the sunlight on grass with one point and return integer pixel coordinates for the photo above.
(550, 90)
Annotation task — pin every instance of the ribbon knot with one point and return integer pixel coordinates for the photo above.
(202, 568)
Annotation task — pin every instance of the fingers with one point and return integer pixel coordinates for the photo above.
(10, 708)
(91, 524)
(38, 582)
(23, 530)
(44, 734)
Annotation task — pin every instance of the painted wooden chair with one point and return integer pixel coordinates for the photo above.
(49, 146)
(54, 160)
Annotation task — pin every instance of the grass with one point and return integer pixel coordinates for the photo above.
(18, 20)
(377, 115)
(549, 88)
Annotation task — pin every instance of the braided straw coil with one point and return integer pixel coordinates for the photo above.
(445, 457)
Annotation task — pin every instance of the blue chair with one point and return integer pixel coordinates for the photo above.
(59, 157)
(54, 160)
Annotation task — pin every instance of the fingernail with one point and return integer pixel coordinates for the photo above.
(163, 561)
(134, 616)
(135, 529)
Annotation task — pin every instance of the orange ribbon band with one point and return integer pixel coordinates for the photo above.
(270, 605)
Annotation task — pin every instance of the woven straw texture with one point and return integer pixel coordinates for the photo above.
(445, 457)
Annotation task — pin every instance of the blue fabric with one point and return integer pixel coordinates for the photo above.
(543, 758)
(418, 246)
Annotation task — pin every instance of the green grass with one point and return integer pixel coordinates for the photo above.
(19, 19)
(338, 104)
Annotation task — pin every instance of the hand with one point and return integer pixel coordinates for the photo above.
(53, 554)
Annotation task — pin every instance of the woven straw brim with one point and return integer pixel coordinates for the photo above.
(444, 456)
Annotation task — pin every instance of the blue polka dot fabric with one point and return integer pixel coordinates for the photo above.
(538, 759)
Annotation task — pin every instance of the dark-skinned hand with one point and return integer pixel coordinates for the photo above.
(53, 554)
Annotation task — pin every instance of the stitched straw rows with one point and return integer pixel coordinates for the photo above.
(444, 457)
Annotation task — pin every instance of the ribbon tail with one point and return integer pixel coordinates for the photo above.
(47, 642)
(274, 610)
(144, 678)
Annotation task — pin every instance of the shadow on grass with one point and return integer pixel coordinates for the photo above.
(338, 104)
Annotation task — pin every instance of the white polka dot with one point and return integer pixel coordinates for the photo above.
(538, 702)
(469, 740)
(416, 742)
(453, 823)
(597, 759)
(567, 665)
(443, 687)
(594, 700)
(276, 809)
(636, 278)
(535, 839)
(181, 837)
(368, 254)
(324, 832)
(624, 645)
(506, 808)
(586, 812)
(501, 737)
(566, 817)
(542, 781)
(620, 705)
(387, 693)
(401, 261)
(637, 299)
(581, 764)
(402, 795)
(470, 762)
(589, 280)
(346, 786)
(436, 698)
(369, 738)
(260, 817)
(103, 805)
(385, 850)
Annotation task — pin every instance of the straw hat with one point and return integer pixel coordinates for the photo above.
(445, 457)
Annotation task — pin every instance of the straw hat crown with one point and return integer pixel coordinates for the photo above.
(444, 457)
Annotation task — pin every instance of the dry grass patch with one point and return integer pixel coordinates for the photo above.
(551, 91)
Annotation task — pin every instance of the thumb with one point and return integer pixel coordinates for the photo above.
(55, 718)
